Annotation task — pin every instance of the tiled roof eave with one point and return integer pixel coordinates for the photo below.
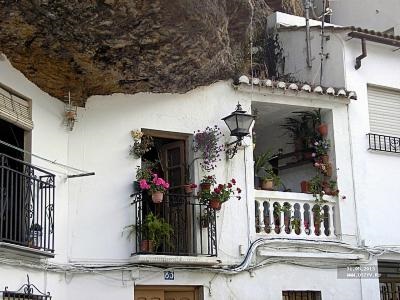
(297, 87)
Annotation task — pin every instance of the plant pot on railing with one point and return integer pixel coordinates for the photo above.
(205, 186)
(157, 197)
(147, 246)
(268, 184)
(215, 204)
(305, 187)
(323, 129)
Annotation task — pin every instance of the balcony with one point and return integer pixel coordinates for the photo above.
(192, 226)
(294, 215)
(27, 196)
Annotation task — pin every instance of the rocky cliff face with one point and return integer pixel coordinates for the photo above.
(99, 47)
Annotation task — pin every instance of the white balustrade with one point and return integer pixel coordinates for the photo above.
(291, 215)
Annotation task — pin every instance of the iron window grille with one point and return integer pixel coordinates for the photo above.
(383, 143)
(301, 295)
(26, 292)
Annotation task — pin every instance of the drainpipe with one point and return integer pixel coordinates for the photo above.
(308, 39)
(363, 54)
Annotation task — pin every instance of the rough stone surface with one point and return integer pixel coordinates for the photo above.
(99, 47)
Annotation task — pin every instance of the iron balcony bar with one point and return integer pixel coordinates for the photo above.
(27, 196)
(193, 224)
(383, 143)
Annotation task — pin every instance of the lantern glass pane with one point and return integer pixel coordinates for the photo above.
(244, 122)
(231, 123)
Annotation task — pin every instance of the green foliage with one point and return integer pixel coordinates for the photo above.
(146, 170)
(153, 228)
(262, 161)
(270, 175)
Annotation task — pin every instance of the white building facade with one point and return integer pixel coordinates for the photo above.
(373, 122)
(264, 246)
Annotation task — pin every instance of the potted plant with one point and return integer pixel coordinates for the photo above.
(35, 234)
(330, 188)
(321, 148)
(207, 182)
(207, 144)
(305, 186)
(141, 143)
(316, 118)
(189, 188)
(222, 193)
(316, 187)
(157, 187)
(154, 231)
(270, 181)
(145, 171)
(325, 168)
(260, 163)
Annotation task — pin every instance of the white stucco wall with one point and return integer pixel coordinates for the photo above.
(91, 212)
(371, 14)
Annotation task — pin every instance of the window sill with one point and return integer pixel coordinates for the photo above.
(174, 260)
(21, 252)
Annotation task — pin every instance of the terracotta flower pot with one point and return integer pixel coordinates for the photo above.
(157, 197)
(188, 189)
(268, 184)
(215, 203)
(325, 158)
(329, 170)
(327, 190)
(205, 186)
(323, 129)
(147, 246)
(305, 186)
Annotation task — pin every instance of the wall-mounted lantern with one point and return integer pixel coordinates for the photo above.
(239, 124)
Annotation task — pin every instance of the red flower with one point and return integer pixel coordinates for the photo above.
(220, 186)
(193, 185)
(238, 197)
(217, 191)
(239, 190)
(209, 177)
(233, 181)
(229, 185)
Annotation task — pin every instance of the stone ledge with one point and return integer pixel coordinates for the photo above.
(24, 253)
(174, 260)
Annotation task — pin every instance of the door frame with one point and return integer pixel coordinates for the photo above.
(198, 290)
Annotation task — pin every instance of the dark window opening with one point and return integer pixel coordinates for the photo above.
(12, 135)
(301, 295)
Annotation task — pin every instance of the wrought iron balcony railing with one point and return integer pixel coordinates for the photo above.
(384, 143)
(193, 224)
(26, 204)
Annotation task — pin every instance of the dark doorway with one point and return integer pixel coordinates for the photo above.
(13, 184)
(11, 134)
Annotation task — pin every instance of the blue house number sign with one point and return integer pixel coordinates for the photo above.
(169, 275)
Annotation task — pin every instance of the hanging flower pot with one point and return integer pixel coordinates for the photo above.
(215, 203)
(188, 189)
(323, 129)
(205, 186)
(157, 197)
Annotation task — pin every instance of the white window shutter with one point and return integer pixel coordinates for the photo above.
(15, 109)
(384, 111)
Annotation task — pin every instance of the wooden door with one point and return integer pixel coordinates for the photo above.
(177, 209)
(174, 165)
(151, 294)
(179, 295)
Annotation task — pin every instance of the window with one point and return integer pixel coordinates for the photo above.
(389, 280)
(384, 111)
(384, 120)
(301, 295)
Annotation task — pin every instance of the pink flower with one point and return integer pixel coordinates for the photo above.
(143, 184)
(159, 182)
(313, 154)
(166, 185)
